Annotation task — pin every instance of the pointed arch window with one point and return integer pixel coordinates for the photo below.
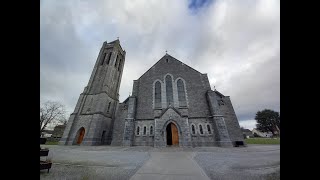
(209, 129)
(200, 129)
(144, 130)
(151, 130)
(181, 94)
(193, 129)
(169, 90)
(157, 95)
(138, 131)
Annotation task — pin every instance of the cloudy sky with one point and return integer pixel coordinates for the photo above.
(236, 42)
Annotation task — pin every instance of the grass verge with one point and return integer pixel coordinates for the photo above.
(51, 143)
(262, 141)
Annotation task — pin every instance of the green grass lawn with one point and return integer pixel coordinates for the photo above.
(52, 143)
(262, 141)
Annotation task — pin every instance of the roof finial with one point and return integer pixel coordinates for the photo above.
(118, 38)
(214, 87)
(166, 52)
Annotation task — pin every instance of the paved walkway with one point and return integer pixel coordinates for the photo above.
(170, 165)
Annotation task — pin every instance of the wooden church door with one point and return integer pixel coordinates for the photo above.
(174, 133)
(81, 135)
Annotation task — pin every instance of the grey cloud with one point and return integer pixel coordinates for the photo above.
(256, 89)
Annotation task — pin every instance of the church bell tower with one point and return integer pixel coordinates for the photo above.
(92, 121)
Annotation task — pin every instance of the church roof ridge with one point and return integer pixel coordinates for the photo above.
(174, 59)
(217, 92)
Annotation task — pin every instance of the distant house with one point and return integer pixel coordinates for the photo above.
(262, 134)
(57, 132)
(247, 133)
(46, 133)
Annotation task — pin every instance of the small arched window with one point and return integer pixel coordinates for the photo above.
(157, 95)
(151, 130)
(200, 129)
(138, 131)
(144, 130)
(209, 129)
(181, 93)
(169, 90)
(193, 129)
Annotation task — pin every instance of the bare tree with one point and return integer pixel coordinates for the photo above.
(51, 113)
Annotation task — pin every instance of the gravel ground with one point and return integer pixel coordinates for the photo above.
(113, 163)
(93, 163)
(249, 164)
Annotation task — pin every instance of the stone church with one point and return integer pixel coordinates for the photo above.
(171, 104)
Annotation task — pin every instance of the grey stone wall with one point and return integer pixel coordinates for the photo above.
(231, 120)
(94, 125)
(119, 124)
(129, 122)
(128, 132)
(181, 123)
(197, 111)
(65, 140)
(80, 121)
(205, 139)
(195, 84)
(107, 77)
(96, 107)
(142, 139)
(221, 131)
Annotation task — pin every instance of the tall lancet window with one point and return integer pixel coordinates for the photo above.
(181, 94)
(103, 57)
(169, 90)
(157, 95)
(109, 58)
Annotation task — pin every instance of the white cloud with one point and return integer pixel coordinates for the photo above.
(248, 124)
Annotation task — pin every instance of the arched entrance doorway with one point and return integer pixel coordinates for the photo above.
(81, 132)
(172, 134)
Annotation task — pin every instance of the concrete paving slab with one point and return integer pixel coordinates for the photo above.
(170, 165)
